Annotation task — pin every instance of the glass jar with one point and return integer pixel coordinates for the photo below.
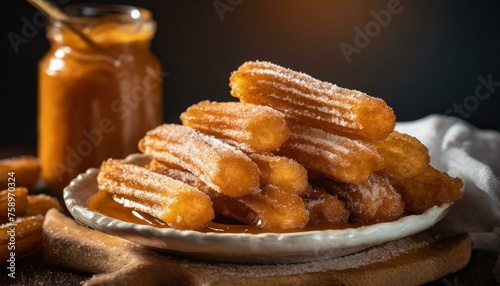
(96, 103)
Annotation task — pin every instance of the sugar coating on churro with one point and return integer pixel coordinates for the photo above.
(178, 204)
(252, 128)
(177, 173)
(326, 105)
(294, 151)
(219, 165)
(267, 208)
(270, 208)
(324, 207)
(28, 236)
(428, 189)
(404, 155)
(341, 158)
(375, 200)
(281, 172)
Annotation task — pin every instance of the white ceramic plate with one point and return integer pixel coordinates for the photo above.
(243, 248)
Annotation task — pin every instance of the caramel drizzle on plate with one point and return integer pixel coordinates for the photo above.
(103, 203)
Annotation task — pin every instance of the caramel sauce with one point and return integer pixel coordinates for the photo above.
(93, 106)
(104, 203)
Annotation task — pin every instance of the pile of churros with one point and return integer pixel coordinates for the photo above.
(294, 152)
(21, 213)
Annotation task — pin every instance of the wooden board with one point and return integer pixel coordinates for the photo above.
(409, 261)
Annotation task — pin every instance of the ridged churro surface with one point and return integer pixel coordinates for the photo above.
(176, 203)
(338, 157)
(328, 106)
(252, 128)
(221, 166)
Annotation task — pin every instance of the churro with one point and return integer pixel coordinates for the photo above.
(324, 208)
(252, 128)
(15, 200)
(19, 203)
(41, 204)
(27, 237)
(376, 200)
(267, 208)
(293, 151)
(26, 169)
(281, 172)
(270, 209)
(177, 173)
(428, 189)
(179, 205)
(332, 108)
(338, 157)
(404, 155)
(21, 217)
(219, 165)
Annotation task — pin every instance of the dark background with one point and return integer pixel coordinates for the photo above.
(425, 61)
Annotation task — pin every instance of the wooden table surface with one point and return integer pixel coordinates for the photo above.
(34, 270)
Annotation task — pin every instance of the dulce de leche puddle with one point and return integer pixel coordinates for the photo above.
(104, 203)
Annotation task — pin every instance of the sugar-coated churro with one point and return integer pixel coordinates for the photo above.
(338, 157)
(267, 208)
(28, 237)
(15, 200)
(252, 128)
(293, 152)
(325, 105)
(270, 208)
(281, 172)
(221, 166)
(178, 204)
(428, 189)
(404, 155)
(376, 200)
(41, 204)
(324, 208)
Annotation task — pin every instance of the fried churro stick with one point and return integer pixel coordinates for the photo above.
(179, 205)
(27, 235)
(324, 207)
(373, 201)
(332, 108)
(178, 173)
(338, 157)
(219, 165)
(281, 172)
(20, 203)
(404, 156)
(284, 173)
(249, 127)
(26, 168)
(41, 204)
(269, 209)
(15, 202)
(428, 189)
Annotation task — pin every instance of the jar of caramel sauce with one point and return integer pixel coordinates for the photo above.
(96, 100)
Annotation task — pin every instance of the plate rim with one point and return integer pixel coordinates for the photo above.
(362, 236)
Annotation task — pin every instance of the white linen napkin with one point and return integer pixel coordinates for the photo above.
(473, 154)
